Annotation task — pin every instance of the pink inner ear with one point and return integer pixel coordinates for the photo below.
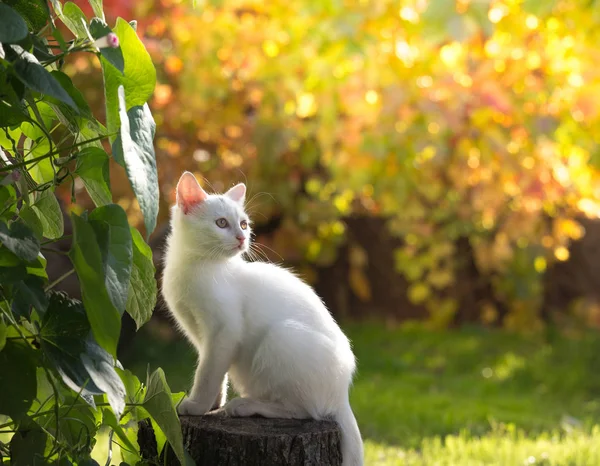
(189, 192)
(237, 193)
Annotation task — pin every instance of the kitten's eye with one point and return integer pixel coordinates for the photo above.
(222, 223)
(244, 224)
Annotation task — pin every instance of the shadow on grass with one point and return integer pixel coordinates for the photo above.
(414, 384)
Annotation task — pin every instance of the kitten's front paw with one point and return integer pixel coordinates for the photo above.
(239, 407)
(190, 407)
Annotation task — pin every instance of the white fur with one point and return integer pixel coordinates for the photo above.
(256, 322)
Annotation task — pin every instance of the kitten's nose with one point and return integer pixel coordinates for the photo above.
(240, 239)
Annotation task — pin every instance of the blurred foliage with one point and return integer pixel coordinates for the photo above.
(454, 120)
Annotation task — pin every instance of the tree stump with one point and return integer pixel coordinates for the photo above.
(218, 440)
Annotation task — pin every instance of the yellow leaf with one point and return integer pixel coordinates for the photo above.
(357, 256)
(418, 293)
(359, 283)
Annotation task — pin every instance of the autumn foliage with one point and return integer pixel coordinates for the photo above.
(468, 120)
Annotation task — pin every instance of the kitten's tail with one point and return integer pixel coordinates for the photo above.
(352, 445)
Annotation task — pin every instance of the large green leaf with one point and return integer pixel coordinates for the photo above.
(114, 55)
(86, 256)
(134, 149)
(114, 238)
(76, 95)
(63, 334)
(45, 212)
(18, 384)
(93, 168)
(13, 28)
(35, 12)
(80, 361)
(42, 171)
(141, 298)
(28, 446)
(101, 367)
(28, 293)
(20, 240)
(75, 20)
(12, 109)
(160, 406)
(75, 121)
(34, 75)
(139, 76)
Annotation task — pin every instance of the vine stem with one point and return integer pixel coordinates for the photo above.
(50, 154)
(50, 411)
(59, 279)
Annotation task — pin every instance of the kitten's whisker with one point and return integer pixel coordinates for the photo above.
(256, 243)
(259, 253)
(248, 205)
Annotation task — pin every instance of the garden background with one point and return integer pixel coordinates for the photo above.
(415, 161)
(432, 168)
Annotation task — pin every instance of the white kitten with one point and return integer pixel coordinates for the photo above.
(254, 321)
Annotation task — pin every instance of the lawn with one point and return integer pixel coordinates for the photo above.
(462, 397)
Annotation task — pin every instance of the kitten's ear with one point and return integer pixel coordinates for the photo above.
(189, 192)
(237, 193)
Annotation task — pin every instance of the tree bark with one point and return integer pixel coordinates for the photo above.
(217, 440)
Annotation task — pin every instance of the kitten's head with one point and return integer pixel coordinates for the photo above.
(214, 226)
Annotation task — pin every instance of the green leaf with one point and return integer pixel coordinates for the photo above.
(45, 212)
(114, 55)
(93, 168)
(133, 387)
(8, 201)
(41, 49)
(135, 150)
(27, 446)
(41, 172)
(13, 28)
(18, 384)
(97, 7)
(85, 254)
(38, 267)
(3, 332)
(20, 240)
(76, 426)
(114, 238)
(63, 334)
(12, 275)
(33, 131)
(141, 298)
(139, 76)
(57, 6)
(35, 12)
(75, 20)
(76, 95)
(159, 405)
(80, 361)
(101, 367)
(109, 418)
(28, 293)
(12, 109)
(34, 75)
(31, 218)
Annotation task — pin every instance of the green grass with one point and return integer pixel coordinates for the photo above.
(462, 397)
